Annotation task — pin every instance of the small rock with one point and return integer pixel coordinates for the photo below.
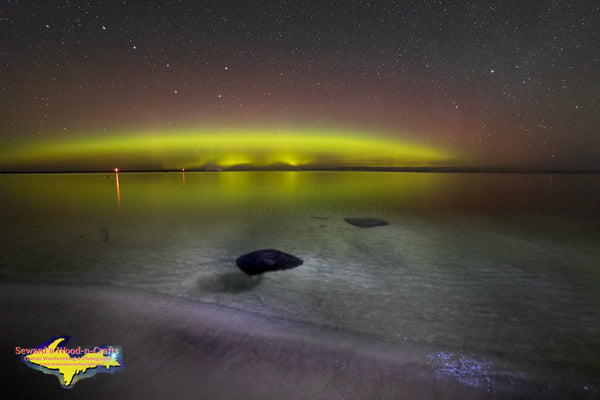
(366, 222)
(265, 260)
(104, 235)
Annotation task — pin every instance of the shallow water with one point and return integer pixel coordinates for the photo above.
(493, 279)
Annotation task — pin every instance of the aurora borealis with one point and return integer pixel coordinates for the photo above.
(224, 149)
(508, 84)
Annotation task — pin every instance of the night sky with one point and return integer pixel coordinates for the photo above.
(494, 83)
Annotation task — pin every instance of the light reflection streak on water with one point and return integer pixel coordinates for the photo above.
(118, 189)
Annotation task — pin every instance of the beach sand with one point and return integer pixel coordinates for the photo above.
(174, 348)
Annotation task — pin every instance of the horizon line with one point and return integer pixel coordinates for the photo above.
(523, 170)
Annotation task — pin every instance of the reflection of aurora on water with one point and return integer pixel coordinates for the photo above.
(223, 148)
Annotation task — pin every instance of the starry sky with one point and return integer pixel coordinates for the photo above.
(493, 83)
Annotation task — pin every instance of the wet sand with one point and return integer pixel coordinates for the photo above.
(180, 349)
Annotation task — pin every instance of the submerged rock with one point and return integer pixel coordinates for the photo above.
(366, 222)
(104, 235)
(265, 260)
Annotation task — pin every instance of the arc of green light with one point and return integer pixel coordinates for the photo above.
(227, 147)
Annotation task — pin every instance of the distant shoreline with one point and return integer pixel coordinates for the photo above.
(337, 169)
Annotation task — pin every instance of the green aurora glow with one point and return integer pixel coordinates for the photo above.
(222, 148)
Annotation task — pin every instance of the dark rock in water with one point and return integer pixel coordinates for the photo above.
(104, 235)
(265, 260)
(366, 222)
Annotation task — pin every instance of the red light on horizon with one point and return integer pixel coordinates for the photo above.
(116, 169)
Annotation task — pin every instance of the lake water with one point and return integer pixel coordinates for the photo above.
(485, 281)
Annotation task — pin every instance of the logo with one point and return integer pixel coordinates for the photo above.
(70, 365)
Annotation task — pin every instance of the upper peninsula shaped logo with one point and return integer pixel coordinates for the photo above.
(70, 365)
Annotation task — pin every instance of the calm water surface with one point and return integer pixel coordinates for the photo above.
(496, 277)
